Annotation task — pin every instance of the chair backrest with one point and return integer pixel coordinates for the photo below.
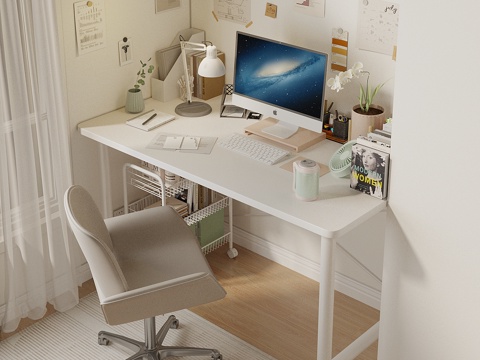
(94, 239)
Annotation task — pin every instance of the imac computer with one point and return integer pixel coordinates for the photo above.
(281, 81)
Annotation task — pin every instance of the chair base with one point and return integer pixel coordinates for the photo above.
(152, 348)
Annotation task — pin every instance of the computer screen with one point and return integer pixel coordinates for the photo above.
(280, 80)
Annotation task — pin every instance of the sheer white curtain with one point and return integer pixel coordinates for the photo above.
(34, 164)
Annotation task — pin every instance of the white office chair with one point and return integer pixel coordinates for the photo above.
(143, 264)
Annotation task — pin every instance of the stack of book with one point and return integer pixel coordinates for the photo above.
(370, 164)
(179, 206)
(205, 88)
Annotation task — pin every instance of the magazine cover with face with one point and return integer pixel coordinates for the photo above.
(369, 171)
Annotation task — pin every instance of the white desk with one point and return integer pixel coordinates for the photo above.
(267, 188)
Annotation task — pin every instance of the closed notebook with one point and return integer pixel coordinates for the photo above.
(141, 122)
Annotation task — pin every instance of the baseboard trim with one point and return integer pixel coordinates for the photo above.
(306, 267)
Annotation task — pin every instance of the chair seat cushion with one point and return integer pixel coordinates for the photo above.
(155, 245)
(163, 265)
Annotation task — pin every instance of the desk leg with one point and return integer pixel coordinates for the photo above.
(105, 181)
(326, 298)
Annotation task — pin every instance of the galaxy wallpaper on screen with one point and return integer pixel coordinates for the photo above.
(279, 74)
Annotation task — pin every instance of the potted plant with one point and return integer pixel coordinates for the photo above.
(134, 103)
(366, 116)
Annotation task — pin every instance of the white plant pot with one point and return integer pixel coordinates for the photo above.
(363, 124)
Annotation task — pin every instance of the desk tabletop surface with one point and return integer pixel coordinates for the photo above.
(267, 188)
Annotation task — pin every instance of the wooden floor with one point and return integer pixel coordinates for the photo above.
(276, 309)
(273, 308)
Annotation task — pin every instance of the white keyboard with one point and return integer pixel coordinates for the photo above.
(253, 149)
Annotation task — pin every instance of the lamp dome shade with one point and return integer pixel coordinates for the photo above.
(211, 66)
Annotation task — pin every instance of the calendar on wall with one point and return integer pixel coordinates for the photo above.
(90, 25)
(378, 26)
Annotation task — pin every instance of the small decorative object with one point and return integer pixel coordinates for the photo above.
(134, 103)
(365, 116)
(305, 179)
(183, 88)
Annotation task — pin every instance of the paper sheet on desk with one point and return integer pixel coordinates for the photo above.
(182, 143)
(205, 145)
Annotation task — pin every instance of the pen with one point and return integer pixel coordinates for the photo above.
(328, 110)
(150, 118)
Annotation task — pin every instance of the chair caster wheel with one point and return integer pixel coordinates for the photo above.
(217, 356)
(175, 324)
(232, 253)
(103, 341)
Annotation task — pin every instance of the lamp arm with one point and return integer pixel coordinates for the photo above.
(186, 45)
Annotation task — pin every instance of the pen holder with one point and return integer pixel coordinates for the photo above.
(340, 128)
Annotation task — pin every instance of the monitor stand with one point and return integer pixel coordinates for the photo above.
(299, 141)
(281, 130)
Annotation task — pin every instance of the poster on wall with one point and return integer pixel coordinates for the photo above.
(90, 25)
(378, 26)
(162, 5)
(311, 7)
(233, 10)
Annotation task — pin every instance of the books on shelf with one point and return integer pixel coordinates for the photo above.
(205, 88)
(377, 136)
(379, 145)
(370, 168)
(179, 206)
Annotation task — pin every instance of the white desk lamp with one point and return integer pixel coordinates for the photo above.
(210, 67)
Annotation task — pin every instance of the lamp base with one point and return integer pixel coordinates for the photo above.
(193, 109)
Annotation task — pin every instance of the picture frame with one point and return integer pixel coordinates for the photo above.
(164, 5)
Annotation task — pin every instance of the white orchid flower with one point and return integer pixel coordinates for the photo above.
(357, 69)
(367, 94)
(335, 83)
(345, 76)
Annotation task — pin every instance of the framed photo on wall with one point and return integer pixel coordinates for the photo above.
(163, 5)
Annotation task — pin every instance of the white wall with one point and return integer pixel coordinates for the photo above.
(283, 242)
(97, 84)
(431, 292)
(307, 31)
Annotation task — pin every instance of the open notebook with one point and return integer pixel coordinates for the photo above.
(142, 121)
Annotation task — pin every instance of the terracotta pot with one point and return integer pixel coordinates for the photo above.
(134, 103)
(363, 124)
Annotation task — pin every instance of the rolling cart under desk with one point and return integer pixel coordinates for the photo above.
(267, 188)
